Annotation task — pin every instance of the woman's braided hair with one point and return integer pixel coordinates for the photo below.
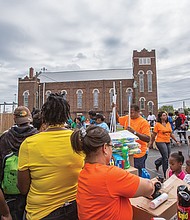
(56, 110)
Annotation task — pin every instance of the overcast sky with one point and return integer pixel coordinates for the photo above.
(85, 34)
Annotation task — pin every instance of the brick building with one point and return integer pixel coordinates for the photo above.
(93, 89)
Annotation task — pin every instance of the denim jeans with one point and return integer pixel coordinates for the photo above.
(68, 212)
(165, 150)
(139, 163)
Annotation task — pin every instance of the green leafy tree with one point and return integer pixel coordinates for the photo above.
(167, 108)
(186, 111)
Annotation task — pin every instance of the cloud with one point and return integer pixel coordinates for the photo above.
(112, 42)
(80, 56)
(69, 34)
(164, 53)
(73, 67)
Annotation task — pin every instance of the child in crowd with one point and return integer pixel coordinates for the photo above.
(100, 122)
(187, 169)
(176, 161)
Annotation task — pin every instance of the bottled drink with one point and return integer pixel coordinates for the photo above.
(125, 154)
(183, 206)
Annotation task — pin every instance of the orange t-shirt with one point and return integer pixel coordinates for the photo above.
(163, 132)
(104, 192)
(140, 125)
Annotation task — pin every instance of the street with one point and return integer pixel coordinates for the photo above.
(154, 154)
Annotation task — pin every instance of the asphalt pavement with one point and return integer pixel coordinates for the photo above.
(154, 154)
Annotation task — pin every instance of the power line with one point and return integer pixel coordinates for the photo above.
(179, 100)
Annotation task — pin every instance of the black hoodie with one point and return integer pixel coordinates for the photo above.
(11, 139)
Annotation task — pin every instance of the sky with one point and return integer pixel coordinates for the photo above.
(83, 34)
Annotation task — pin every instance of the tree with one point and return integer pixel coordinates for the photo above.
(167, 108)
(186, 111)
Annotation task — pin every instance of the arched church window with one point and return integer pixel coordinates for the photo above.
(142, 103)
(95, 97)
(79, 98)
(64, 93)
(48, 92)
(149, 80)
(141, 81)
(25, 97)
(150, 106)
(129, 92)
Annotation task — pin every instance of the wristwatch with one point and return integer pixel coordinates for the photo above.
(134, 132)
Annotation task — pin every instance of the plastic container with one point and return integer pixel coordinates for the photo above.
(158, 201)
(125, 154)
(118, 160)
(157, 187)
(183, 207)
(145, 174)
(182, 188)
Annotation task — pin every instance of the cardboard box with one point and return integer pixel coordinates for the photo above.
(132, 170)
(131, 160)
(167, 210)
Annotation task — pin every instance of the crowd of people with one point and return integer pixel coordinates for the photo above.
(63, 164)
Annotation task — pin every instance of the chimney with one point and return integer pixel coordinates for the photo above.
(31, 73)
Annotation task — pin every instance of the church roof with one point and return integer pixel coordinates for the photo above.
(86, 75)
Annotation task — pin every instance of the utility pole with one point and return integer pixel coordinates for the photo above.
(121, 98)
(183, 105)
(43, 70)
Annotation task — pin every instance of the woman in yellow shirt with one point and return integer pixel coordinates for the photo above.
(48, 167)
(161, 135)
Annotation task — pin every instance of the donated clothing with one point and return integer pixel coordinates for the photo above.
(163, 132)
(54, 169)
(141, 126)
(181, 175)
(104, 126)
(104, 192)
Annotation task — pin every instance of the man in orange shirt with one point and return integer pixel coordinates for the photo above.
(141, 128)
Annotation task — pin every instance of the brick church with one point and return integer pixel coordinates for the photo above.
(93, 89)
